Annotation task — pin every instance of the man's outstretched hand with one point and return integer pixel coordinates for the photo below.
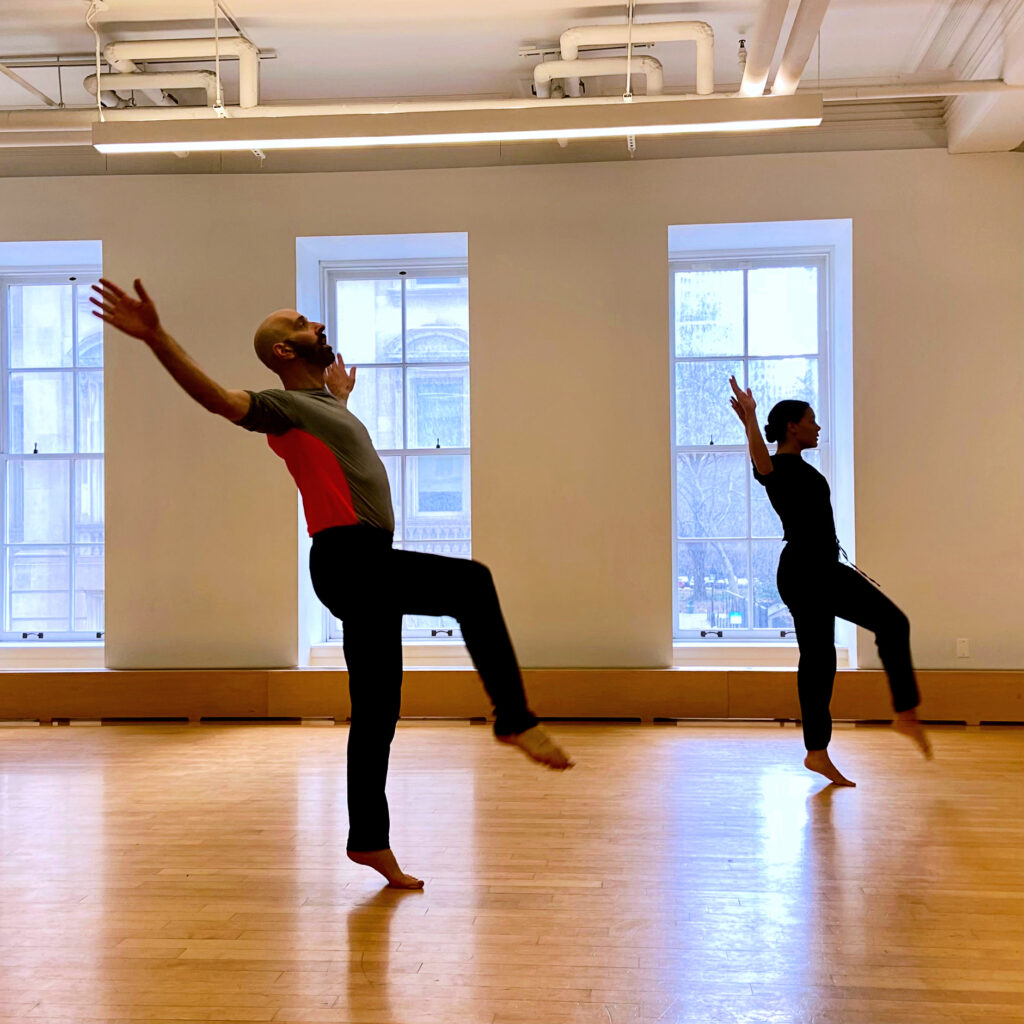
(136, 317)
(340, 381)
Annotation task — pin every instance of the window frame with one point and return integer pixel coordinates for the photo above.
(81, 277)
(331, 272)
(820, 257)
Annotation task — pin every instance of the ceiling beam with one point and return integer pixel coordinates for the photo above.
(993, 123)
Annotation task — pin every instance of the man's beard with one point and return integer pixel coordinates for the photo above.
(315, 354)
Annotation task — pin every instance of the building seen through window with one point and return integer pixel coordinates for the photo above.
(407, 330)
(53, 532)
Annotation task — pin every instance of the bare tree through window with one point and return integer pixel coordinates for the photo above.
(764, 321)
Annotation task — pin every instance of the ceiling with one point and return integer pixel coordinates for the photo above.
(315, 50)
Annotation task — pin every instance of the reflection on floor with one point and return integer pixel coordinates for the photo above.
(178, 873)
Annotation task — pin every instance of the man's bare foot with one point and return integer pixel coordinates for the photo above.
(907, 724)
(819, 761)
(536, 743)
(384, 861)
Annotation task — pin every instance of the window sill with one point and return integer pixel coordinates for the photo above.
(743, 653)
(22, 654)
(694, 654)
(435, 654)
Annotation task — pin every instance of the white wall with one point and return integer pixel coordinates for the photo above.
(570, 389)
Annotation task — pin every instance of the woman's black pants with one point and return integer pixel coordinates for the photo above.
(370, 585)
(817, 588)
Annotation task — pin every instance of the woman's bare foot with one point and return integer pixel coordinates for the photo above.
(384, 861)
(536, 743)
(907, 724)
(819, 761)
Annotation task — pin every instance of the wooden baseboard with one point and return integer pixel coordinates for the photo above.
(644, 694)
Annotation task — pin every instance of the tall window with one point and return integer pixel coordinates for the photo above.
(406, 327)
(51, 361)
(766, 321)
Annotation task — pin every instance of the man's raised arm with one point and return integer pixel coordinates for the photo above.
(138, 318)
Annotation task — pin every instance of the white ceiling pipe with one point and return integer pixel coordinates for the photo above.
(802, 36)
(763, 43)
(543, 74)
(698, 32)
(156, 80)
(127, 67)
(198, 49)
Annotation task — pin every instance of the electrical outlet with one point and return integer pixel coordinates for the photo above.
(963, 647)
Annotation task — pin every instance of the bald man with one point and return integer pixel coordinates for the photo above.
(356, 572)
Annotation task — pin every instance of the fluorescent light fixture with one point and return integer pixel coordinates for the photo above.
(552, 119)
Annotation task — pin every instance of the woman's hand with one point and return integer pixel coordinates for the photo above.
(340, 381)
(745, 407)
(742, 403)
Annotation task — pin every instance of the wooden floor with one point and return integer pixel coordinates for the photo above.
(690, 874)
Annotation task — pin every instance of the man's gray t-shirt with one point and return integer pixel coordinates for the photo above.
(329, 453)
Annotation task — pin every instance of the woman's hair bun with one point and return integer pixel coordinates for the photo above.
(769, 434)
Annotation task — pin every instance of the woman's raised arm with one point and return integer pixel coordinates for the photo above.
(745, 407)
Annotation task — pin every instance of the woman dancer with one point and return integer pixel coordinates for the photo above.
(816, 586)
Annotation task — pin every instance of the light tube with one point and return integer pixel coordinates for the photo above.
(450, 138)
(545, 121)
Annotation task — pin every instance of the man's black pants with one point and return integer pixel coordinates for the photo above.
(370, 585)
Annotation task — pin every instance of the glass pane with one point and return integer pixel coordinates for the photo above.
(712, 585)
(437, 504)
(709, 313)
(42, 412)
(438, 407)
(37, 584)
(90, 329)
(377, 401)
(772, 380)
(783, 311)
(703, 412)
(393, 465)
(763, 520)
(89, 589)
(769, 611)
(423, 624)
(37, 501)
(431, 627)
(437, 319)
(90, 411)
(88, 526)
(41, 325)
(711, 495)
(369, 321)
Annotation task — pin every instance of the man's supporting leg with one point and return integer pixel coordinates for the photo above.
(373, 654)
